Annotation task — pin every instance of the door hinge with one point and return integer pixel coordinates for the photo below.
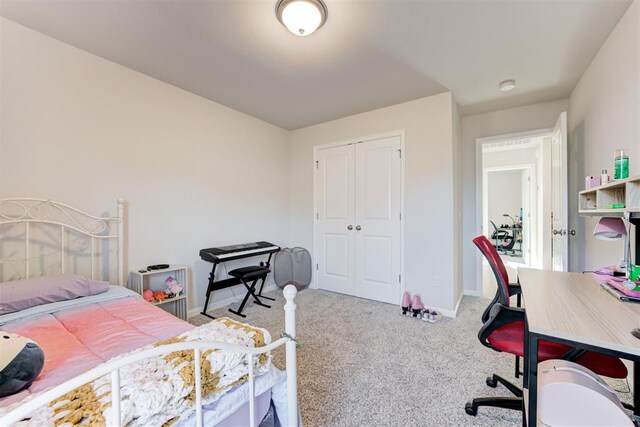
(317, 164)
(317, 215)
(399, 278)
(400, 215)
(400, 152)
(316, 266)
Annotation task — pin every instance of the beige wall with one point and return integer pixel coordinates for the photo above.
(604, 114)
(429, 187)
(501, 122)
(457, 206)
(82, 130)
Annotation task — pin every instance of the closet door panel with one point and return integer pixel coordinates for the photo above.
(336, 261)
(377, 256)
(377, 218)
(335, 195)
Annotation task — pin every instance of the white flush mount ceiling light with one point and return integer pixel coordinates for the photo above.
(507, 85)
(301, 17)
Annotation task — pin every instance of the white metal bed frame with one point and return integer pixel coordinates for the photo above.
(28, 211)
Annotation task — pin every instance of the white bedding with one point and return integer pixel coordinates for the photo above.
(237, 397)
(160, 388)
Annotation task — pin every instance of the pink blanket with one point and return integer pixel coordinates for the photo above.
(77, 339)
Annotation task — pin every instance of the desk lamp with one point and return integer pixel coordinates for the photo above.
(614, 229)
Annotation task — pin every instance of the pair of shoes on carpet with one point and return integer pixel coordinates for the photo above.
(413, 307)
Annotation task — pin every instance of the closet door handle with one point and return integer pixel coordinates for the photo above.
(358, 228)
(349, 227)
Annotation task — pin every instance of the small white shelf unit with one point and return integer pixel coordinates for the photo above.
(155, 280)
(595, 201)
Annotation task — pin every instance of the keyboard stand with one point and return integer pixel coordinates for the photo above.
(214, 285)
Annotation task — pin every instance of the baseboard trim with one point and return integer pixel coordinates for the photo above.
(471, 292)
(458, 303)
(445, 312)
(450, 313)
(224, 302)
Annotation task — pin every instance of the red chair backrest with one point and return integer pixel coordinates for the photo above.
(499, 270)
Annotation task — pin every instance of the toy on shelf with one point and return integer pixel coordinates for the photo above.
(173, 287)
(147, 295)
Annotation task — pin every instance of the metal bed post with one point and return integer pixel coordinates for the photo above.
(120, 219)
(252, 393)
(26, 250)
(290, 292)
(62, 249)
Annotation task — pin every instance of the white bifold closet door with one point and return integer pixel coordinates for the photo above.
(358, 232)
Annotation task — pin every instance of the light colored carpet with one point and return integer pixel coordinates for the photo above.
(363, 363)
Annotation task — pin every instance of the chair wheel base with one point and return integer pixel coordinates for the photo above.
(471, 409)
(492, 382)
(472, 406)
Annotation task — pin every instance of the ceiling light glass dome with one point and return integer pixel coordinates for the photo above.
(301, 17)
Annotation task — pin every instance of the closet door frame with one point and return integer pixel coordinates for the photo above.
(316, 244)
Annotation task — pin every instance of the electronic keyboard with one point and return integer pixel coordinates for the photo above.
(245, 250)
(229, 253)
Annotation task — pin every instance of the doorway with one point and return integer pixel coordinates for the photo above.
(358, 236)
(509, 201)
(522, 169)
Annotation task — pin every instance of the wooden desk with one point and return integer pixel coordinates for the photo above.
(572, 309)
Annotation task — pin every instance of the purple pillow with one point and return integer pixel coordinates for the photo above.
(20, 294)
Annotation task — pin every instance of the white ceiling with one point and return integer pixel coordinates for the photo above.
(369, 54)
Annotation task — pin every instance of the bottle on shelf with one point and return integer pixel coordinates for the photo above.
(621, 156)
(604, 177)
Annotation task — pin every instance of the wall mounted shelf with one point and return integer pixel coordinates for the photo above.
(596, 201)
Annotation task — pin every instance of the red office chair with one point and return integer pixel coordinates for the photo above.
(504, 331)
(499, 270)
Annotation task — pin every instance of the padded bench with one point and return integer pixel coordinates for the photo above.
(251, 274)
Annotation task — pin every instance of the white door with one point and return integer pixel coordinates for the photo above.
(335, 213)
(377, 219)
(559, 194)
(358, 231)
(526, 216)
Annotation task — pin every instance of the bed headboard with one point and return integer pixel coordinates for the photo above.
(40, 237)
